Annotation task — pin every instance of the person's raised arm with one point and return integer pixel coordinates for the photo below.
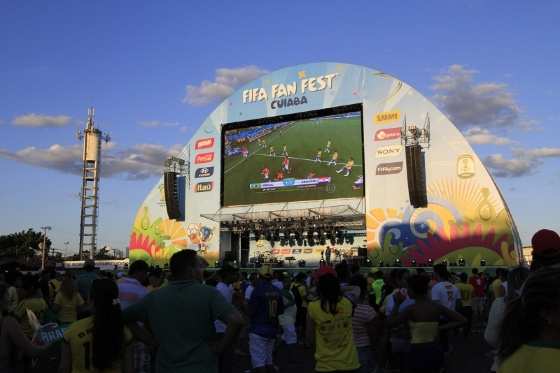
(455, 318)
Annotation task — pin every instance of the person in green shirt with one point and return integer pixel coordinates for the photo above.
(181, 317)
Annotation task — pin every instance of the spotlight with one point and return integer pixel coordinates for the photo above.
(482, 262)
(430, 262)
(397, 262)
(461, 262)
(369, 262)
(413, 262)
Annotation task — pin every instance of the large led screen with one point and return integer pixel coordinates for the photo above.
(293, 160)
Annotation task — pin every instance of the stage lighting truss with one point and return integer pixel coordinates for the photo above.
(412, 135)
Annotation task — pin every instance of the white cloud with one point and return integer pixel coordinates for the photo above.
(514, 167)
(523, 161)
(137, 162)
(33, 120)
(223, 85)
(489, 104)
(482, 136)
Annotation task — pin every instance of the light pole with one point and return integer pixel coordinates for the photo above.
(44, 248)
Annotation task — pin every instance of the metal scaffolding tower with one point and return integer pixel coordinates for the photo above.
(91, 157)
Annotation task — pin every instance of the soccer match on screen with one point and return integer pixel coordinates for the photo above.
(306, 159)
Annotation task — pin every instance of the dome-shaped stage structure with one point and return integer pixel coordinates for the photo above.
(327, 155)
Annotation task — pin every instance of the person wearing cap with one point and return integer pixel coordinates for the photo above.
(265, 305)
(546, 249)
(329, 326)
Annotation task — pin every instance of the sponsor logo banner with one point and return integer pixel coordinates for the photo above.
(386, 117)
(204, 143)
(204, 172)
(204, 187)
(388, 134)
(291, 182)
(388, 151)
(389, 168)
(204, 158)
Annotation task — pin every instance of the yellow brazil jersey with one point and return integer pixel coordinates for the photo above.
(68, 312)
(349, 164)
(541, 357)
(37, 305)
(335, 349)
(319, 153)
(80, 338)
(335, 156)
(466, 291)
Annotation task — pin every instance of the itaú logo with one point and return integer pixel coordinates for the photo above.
(204, 143)
(204, 158)
(204, 187)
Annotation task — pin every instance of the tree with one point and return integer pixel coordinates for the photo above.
(22, 244)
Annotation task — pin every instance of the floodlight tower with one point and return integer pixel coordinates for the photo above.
(91, 158)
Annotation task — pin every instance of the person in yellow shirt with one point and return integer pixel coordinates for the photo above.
(67, 301)
(497, 286)
(99, 343)
(32, 301)
(530, 334)
(467, 291)
(318, 156)
(329, 326)
(334, 159)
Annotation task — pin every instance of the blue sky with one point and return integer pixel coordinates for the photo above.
(133, 61)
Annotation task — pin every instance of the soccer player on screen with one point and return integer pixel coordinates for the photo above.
(271, 151)
(286, 165)
(318, 156)
(265, 172)
(279, 176)
(245, 151)
(285, 150)
(328, 147)
(334, 159)
(347, 169)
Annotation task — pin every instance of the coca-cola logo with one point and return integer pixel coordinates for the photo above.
(204, 158)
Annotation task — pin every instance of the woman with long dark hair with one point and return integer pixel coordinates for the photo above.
(530, 332)
(67, 301)
(98, 343)
(329, 326)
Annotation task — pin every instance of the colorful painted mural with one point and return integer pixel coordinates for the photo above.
(460, 222)
(156, 240)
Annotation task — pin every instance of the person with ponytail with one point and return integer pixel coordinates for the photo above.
(99, 343)
(329, 326)
(530, 332)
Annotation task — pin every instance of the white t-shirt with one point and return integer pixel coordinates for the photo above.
(227, 292)
(277, 284)
(446, 294)
(248, 292)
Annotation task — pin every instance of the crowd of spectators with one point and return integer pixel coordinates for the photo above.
(355, 320)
